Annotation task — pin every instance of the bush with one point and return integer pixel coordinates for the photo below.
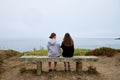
(92, 70)
(102, 52)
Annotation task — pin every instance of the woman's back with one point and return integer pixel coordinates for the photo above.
(68, 51)
(53, 48)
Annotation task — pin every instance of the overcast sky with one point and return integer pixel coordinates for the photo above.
(38, 18)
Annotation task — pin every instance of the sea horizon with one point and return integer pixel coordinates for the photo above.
(29, 44)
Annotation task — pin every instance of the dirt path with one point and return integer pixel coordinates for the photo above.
(108, 68)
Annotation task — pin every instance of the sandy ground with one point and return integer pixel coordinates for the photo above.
(108, 69)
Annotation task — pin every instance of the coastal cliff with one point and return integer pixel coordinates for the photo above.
(117, 38)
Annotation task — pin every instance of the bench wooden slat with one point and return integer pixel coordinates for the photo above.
(60, 59)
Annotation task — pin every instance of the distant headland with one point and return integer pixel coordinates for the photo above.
(117, 38)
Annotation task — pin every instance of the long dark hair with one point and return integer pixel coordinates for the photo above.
(67, 40)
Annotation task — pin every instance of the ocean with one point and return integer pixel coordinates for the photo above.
(23, 45)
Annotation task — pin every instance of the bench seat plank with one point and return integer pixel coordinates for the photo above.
(60, 59)
(40, 59)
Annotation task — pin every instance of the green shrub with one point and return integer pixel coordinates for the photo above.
(102, 51)
(34, 49)
(92, 70)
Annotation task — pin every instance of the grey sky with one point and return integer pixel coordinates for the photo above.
(38, 18)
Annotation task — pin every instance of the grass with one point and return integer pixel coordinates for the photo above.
(80, 52)
(4, 54)
(118, 50)
(44, 52)
(8, 53)
(36, 52)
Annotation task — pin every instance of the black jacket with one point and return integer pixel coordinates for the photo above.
(68, 51)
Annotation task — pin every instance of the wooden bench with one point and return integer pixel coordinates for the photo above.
(40, 59)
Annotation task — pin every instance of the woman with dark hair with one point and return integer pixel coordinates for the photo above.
(68, 49)
(53, 49)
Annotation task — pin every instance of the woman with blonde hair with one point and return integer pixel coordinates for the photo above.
(68, 49)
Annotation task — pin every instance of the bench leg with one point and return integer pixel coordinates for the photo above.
(78, 66)
(39, 68)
